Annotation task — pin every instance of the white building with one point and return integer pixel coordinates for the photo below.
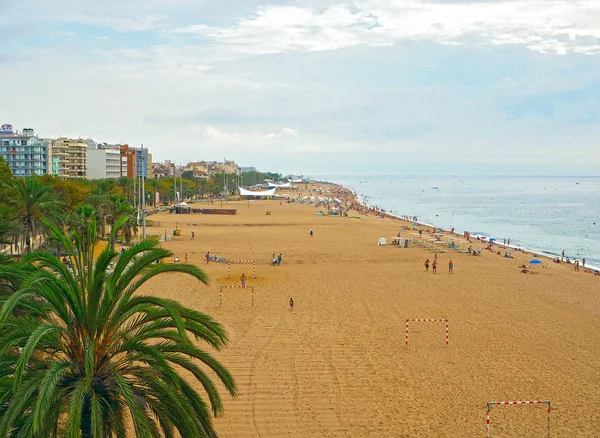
(104, 162)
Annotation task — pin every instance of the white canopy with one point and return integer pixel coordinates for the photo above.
(244, 192)
(283, 185)
(182, 204)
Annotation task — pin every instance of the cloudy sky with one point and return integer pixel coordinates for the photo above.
(315, 86)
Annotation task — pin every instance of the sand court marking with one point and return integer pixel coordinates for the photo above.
(242, 262)
(524, 402)
(234, 287)
(445, 321)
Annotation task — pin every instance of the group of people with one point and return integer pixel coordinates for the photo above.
(434, 265)
(276, 261)
(473, 252)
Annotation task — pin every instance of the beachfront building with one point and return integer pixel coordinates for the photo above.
(135, 161)
(104, 161)
(161, 170)
(128, 160)
(25, 153)
(68, 157)
(143, 162)
(213, 167)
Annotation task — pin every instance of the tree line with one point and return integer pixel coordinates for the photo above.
(23, 201)
(83, 352)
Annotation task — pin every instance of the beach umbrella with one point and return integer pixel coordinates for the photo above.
(493, 239)
(535, 262)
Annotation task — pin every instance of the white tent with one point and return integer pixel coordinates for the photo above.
(286, 185)
(244, 192)
(182, 208)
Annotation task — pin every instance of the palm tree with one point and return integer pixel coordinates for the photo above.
(154, 185)
(90, 351)
(12, 273)
(31, 201)
(98, 202)
(98, 199)
(80, 221)
(9, 227)
(117, 208)
(126, 185)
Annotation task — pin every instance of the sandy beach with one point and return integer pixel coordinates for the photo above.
(337, 365)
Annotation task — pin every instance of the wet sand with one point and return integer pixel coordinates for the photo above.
(337, 366)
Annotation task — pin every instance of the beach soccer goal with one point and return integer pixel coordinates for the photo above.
(445, 321)
(234, 287)
(243, 262)
(525, 402)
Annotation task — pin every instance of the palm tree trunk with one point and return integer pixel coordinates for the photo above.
(86, 420)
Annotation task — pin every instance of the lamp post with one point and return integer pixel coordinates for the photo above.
(145, 166)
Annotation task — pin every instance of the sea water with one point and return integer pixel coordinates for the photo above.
(541, 214)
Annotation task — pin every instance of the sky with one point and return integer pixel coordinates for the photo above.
(315, 87)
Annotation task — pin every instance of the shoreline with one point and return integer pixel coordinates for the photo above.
(343, 347)
(524, 250)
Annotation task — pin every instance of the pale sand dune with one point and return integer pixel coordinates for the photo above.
(337, 365)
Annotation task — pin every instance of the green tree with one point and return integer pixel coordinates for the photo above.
(6, 177)
(98, 199)
(70, 192)
(9, 228)
(90, 351)
(117, 207)
(151, 188)
(126, 186)
(31, 200)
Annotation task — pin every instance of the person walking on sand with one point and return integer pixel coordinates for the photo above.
(207, 257)
(311, 233)
(427, 265)
(583, 263)
(434, 266)
(450, 267)
(193, 236)
(563, 256)
(186, 257)
(243, 279)
(291, 303)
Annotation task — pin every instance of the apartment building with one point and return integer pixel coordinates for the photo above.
(143, 162)
(128, 160)
(25, 153)
(212, 167)
(104, 161)
(69, 157)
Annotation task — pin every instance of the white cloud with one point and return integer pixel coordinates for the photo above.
(556, 26)
(367, 108)
(213, 132)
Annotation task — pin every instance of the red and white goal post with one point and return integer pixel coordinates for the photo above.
(445, 321)
(242, 262)
(234, 287)
(524, 402)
